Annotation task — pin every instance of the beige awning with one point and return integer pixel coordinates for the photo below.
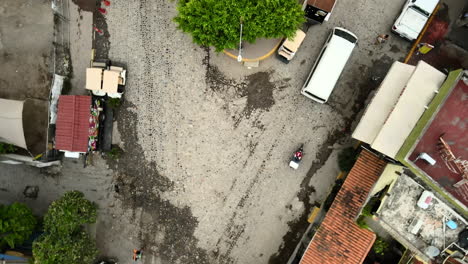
(383, 102)
(93, 78)
(111, 81)
(396, 108)
(11, 123)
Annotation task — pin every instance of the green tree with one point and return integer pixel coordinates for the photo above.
(64, 239)
(17, 223)
(217, 22)
(69, 213)
(78, 248)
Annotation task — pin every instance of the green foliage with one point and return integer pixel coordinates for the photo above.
(115, 152)
(114, 102)
(69, 213)
(217, 22)
(6, 148)
(17, 223)
(380, 246)
(346, 158)
(64, 240)
(76, 249)
(367, 210)
(361, 222)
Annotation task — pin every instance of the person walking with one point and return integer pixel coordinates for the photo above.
(381, 38)
(136, 254)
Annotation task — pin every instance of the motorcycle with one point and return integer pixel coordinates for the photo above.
(297, 157)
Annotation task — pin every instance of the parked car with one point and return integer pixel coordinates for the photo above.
(288, 48)
(413, 17)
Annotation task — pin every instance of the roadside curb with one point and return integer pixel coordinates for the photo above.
(268, 54)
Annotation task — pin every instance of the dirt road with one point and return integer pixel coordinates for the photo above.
(208, 141)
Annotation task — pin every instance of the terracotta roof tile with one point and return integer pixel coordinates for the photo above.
(339, 240)
(72, 126)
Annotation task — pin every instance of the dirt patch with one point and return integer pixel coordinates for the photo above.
(257, 88)
(139, 185)
(395, 49)
(259, 92)
(86, 5)
(101, 44)
(219, 83)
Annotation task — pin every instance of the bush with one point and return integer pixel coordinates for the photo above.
(17, 224)
(347, 158)
(53, 249)
(367, 210)
(361, 222)
(115, 152)
(380, 246)
(114, 102)
(7, 148)
(69, 213)
(64, 240)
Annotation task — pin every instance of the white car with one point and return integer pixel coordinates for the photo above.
(413, 17)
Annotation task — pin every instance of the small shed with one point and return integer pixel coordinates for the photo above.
(318, 10)
(72, 127)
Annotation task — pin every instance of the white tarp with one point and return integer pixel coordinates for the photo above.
(11, 123)
(383, 102)
(55, 93)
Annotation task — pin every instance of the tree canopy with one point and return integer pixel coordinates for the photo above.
(64, 239)
(70, 212)
(17, 224)
(78, 248)
(217, 22)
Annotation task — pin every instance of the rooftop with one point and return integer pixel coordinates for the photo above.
(397, 106)
(339, 240)
(444, 122)
(414, 227)
(73, 123)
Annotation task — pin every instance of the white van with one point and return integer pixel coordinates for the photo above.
(329, 65)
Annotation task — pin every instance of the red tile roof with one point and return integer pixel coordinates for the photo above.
(339, 240)
(72, 126)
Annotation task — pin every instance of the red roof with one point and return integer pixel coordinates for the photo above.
(339, 240)
(72, 126)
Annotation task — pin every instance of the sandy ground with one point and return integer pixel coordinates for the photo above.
(26, 35)
(81, 32)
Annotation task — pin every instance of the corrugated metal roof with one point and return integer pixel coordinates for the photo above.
(339, 240)
(72, 127)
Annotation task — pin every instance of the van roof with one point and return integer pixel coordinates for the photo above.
(330, 66)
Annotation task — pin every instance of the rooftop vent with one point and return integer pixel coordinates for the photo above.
(424, 156)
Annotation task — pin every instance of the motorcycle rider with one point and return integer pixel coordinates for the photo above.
(298, 155)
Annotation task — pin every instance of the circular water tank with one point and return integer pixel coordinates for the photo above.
(432, 251)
